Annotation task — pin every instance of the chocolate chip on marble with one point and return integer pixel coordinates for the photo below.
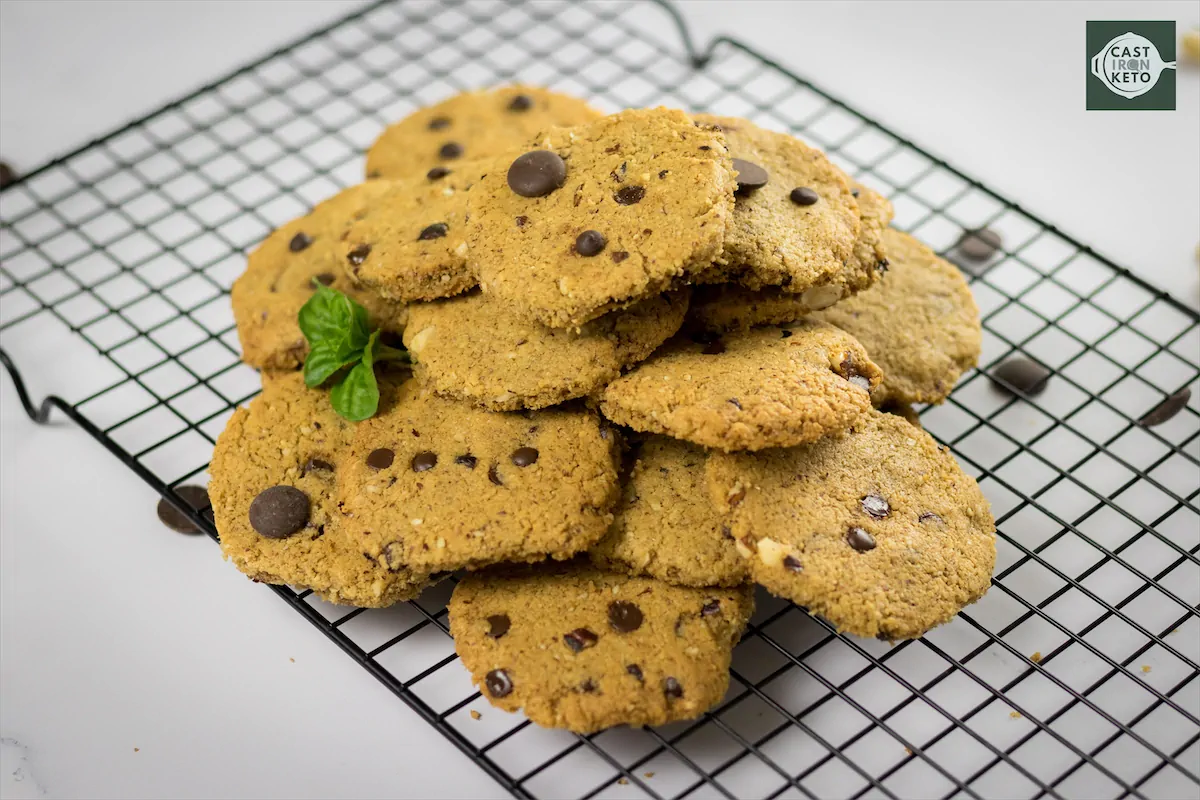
(380, 458)
(1021, 375)
(876, 506)
(524, 456)
(317, 465)
(635, 671)
(521, 102)
(279, 512)
(792, 564)
(619, 255)
(359, 254)
(750, 176)
(494, 476)
(195, 496)
(625, 617)
(590, 243)
(437, 173)
(860, 540)
(423, 461)
(498, 683)
(537, 173)
(498, 625)
(439, 123)
(629, 195)
(450, 150)
(1166, 409)
(803, 196)
(435, 231)
(299, 242)
(671, 688)
(466, 460)
(711, 607)
(979, 244)
(580, 639)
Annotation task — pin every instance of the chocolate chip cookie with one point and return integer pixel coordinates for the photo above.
(583, 649)
(767, 387)
(474, 348)
(438, 484)
(272, 491)
(665, 526)
(878, 530)
(470, 125)
(279, 280)
(594, 218)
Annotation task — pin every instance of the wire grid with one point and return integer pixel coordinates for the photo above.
(1077, 674)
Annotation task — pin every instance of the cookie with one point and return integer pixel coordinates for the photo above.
(595, 218)
(279, 280)
(437, 484)
(272, 490)
(474, 348)
(471, 125)
(878, 531)
(665, 526)
(920, 323)
(583, 649)
(767, 387)
(410, 243)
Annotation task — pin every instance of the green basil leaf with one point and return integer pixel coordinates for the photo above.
(324, 360)
(357, 397)
(385, 353)
(335, 318)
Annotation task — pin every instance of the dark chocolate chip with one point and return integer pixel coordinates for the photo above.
(424, 461)
(750, 176)
(466, 460)
(625, 617)
(317, 465)
(437, 173)
(524, 456)
(194, 496)
(860, 540)
(590, 243)
(876, 506)
(494, 476)
(438, 123)
(588, 686)
(435, 231)
(279, 512)
(619, 255)
(522, 221)
(498, 683)
(299, 242)
(979, 244)
(785, 334)
(521, 102)
(804, 196)
(929, 516)
(8, 176)
(711, 607)
(380, 459)
(450, 150)
(792, 564)
(498, 625)
(671, 688)
(325, 278)
(580, 639)
(713, 348)
(537, 173)
(635, 671)
(359, 254)
(629, 195)
(662, 173)
(1166, 409)
(1021, 375)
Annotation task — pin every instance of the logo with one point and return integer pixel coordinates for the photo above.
(1131, 66)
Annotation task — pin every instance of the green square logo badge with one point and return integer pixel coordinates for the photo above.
(1130, 66)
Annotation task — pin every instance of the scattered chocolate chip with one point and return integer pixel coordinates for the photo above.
(705, 147)
(1166, 409)
(439, 123)
(979, 244)
(466, 460)
(792, 564)
(711, 607)
(671, 688)
(849, 371)
(317, 465)
(380, 459)
(450, 150)
(876, 506)
(299, 242)
(522, 221)
(279, 512)
(713, 348)
(588, 686)
(524, 456)
(359, 254)
(194, 496)
(392, 556)
(494, 476)
(1021, 375)
(435, 231)
(619, 255)
(785, 334)
(625, 617)
(750, 176)
(424, 461)
(590, 243)
(629, 195)
(580, 639)
(498, 625)
(521, 102)
(804, 196)
(437, 173)
(498, 683)
(860, 540)
(929, 516)
(635, 671)
(537, 173)
(663, 173)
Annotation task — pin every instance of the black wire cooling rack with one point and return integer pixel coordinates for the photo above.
(1076, 676)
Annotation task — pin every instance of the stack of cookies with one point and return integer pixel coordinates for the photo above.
(656, 359)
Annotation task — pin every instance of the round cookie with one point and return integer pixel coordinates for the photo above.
(664, 525)
(607, 214)
(474, 124)
(474, 348)
(750, 390)
(878, 531)
(583, 649)
(410, 243)
(279, 280)
(920, 323)
(274, 469)
(440, 485)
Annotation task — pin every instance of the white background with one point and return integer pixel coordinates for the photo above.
(117, 634)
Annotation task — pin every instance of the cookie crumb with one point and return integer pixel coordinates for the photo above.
(1145, 668)
(137, 749)
(623, 781)
(647, 774)
(291, 659)
(908, 751)
(475, 714)
(1189, 43)
(1036, 657)
(1015, 714)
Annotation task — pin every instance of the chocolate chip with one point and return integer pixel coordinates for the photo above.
(435, 231)
(785, 334)
(580, 639)
(590, 243)
(498, 625)
(671, 688)
(522, 221)
(466, 460)
(299, 242)
(663, 173)
(8, 176)
(625, 617)
(494, 476)
(437, 173)
(450, 150)
(1021, 375)
(317, 465)
(537, 173)
(194, 496)
(424, 461)
(635, 671)
(524, 456)
(711, 607)
(588, 686)
(279, 512)
(325, 279)
(979, 244)
(392, 556)
(619, 255)
(792, 564)
(849, 371)
(929, 516)
(629, 195)
(713, 348)
(750, 176)
(359, 254)
(860, 540)
(521, 102)
(1166, 409)
(804, 196)
(498, 683)
(855, 192)
(876, 506)
(380, 459)
(438, 123)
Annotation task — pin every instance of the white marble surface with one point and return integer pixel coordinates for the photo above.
(134, 663)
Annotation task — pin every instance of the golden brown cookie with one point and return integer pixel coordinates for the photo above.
(583, 649)
(878, 530)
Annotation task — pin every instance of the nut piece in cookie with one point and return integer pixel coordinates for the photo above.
(583, 649)
(594, 218)
(878, 530)
(767, 387)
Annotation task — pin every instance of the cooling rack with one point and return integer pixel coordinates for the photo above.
(1077, 674)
